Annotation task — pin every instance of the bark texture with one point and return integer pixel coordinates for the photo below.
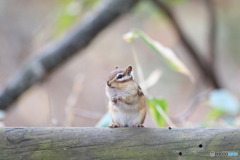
(119, 143)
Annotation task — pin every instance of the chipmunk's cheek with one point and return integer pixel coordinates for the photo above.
(114, 86)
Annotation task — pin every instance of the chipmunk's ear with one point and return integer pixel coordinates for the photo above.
(116, 67)
(129, 70)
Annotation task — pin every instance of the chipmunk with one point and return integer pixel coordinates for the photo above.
(127, 103)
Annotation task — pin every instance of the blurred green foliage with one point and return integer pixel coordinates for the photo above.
(214, 114)
(174, 1)
(89, 3)
(154, 104)
(69, 13)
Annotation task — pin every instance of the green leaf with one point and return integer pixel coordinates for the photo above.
(214, 114)
(104, 121)
(154, 106)
(165, 53)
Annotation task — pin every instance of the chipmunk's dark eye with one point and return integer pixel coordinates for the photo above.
(119, 76)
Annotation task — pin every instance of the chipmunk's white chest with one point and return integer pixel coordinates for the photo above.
(125, 117)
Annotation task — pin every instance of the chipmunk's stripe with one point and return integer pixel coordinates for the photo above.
(140, 93)
(113, 74)
(125, 79)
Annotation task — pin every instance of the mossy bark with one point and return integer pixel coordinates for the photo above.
(119, 143)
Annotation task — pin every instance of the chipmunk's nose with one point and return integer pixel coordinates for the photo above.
(108, 83)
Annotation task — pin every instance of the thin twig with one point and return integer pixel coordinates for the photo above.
(72, 99)
(193, 105)
(139, 71)
(50, 105)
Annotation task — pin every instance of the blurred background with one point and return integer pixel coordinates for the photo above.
(74, 94)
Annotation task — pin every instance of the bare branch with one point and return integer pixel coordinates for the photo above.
(212, 32)
(202, 64)
(203, 96)
(54, 55)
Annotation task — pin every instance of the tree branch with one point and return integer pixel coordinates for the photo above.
(54, 55)
(119, 143)
(202, 64)
(212, 32)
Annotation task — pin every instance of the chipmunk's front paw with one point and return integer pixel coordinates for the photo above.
(114, 126)
(116, 99)
(119, 98)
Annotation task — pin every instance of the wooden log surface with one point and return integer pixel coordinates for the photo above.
(120, 143)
